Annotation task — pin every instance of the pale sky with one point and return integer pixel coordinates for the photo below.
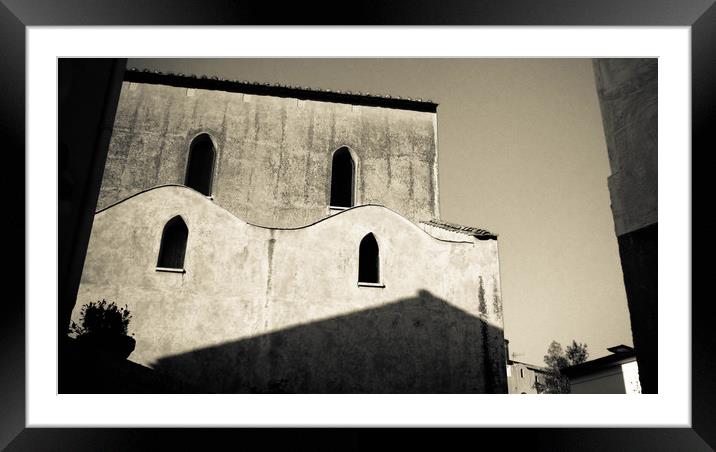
(521, 152)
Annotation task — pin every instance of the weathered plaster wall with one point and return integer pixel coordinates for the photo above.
(267, 310)
(628, 93)
(273, 154)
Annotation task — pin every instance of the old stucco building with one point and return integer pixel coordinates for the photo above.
(277, 239)
(524, 378)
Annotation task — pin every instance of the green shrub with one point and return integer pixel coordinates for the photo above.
(102, 317)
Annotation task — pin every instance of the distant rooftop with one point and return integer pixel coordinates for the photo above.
(621, 348)
(620, 354)
(278, 90)
(460, 229)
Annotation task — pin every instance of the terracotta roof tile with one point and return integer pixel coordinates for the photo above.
(467, 230)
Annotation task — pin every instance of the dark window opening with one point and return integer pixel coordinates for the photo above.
(369, 260)
(342, 178)
(200, 167)
(173, 244)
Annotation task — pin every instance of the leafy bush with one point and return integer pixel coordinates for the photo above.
(102, 317)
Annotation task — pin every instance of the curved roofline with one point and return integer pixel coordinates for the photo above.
(141, 192)
(278, 90)
(104, 209)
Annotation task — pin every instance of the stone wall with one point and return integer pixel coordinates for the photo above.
(628, 96)
(273, 154)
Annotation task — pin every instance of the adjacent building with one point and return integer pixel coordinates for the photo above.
(523, 378)
(628, 97)
(617, 373)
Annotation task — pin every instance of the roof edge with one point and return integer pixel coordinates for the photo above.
(278, 90)
(478, 233)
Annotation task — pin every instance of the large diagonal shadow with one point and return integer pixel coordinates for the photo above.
(413, 345)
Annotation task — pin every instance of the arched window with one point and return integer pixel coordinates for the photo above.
(342, 178)
(368, 260)
(173, 244)
(200, 168)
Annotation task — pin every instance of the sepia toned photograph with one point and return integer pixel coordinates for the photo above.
(358, 226)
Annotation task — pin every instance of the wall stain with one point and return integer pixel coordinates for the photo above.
(220, 152)
(245, 133)
(265, 341)
(281, 149)
(248, 187)
(411, 187)
(194, 106)
(496, 302)
(124, 151)
(333, 128)
(309, 147)
(271, 244)
(257, 124)
(388, 146)
(162, 144)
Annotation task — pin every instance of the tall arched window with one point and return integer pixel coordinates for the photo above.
(342, 178)
(368, 260)
(200, 167)
(173, 245)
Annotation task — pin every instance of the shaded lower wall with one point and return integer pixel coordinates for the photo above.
(414, 345)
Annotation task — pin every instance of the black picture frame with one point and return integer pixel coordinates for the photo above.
(16, 15)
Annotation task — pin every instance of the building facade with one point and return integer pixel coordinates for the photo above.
(277, 239)
(628, 98)
(523, 378)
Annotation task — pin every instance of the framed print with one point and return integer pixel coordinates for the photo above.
(179, 181)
